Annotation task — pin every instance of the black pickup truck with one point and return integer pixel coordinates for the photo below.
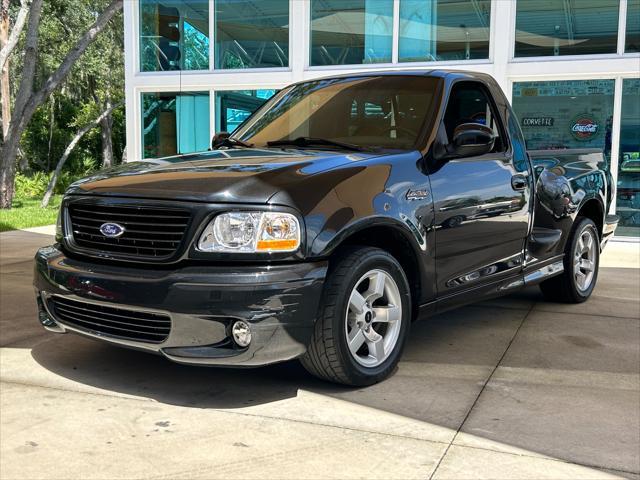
(338, 213)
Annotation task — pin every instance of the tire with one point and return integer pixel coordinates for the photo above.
(570, 287)
(352, 276)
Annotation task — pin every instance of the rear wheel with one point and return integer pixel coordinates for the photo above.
(581, 262)
(363, 320)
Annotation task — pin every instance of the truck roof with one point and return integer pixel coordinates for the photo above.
(440, 73)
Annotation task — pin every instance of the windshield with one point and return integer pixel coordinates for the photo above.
(370, 112)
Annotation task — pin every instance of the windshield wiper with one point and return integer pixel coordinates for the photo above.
(222, 140)
(302, 142)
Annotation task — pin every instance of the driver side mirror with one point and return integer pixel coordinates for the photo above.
(218, 139)
(471, 140)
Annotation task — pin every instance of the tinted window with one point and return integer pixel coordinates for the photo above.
(469, 103)
(234, 106)
(632, 43)
(351, 31)
(444, 30)
(174, 123)
(386, 111)
(565, 114)
(174, 35)
(252, 34)
(562, 27)
(628, 191)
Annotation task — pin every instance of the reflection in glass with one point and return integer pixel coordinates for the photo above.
(561, 27)
(565, 114)
(174, 123)
(252, 34)
(444, 30)
(234, 107)
(378, 112)
(628, 192)
(347, 32)
(174, 35)
(632, 43)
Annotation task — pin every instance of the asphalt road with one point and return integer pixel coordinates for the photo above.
(513, 388)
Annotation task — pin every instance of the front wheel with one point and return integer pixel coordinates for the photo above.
(581, 262)
(363, 319)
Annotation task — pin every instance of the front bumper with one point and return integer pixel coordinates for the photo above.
(280, 302)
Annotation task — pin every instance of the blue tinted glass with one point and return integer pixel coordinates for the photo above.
(252, 34)
(561, 27)
(628, 191)
(174, 35)
(444, 30)
(565, 114)
(174, 123)
(632, 43)
(347, 32)
(234, 107)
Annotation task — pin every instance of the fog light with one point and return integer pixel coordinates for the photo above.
(241, 333)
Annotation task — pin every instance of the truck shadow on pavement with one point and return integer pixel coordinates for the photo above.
(566, 386)
(467, 343)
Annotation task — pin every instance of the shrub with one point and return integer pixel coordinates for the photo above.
(31, 186)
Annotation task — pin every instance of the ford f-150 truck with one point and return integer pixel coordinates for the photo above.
(341, 211)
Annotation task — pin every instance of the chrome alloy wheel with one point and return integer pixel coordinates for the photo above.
(373, 319)
(584, 260)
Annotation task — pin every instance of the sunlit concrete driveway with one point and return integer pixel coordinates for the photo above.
(513, 388)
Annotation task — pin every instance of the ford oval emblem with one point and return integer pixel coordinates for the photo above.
(111, 230)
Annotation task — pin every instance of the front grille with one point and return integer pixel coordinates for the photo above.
(149, 231)
(112, 321)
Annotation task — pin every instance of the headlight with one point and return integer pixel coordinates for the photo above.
(251, 232)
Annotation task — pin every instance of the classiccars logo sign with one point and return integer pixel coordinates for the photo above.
(584, 127)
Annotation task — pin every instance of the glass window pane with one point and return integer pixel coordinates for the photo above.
(387, 111)
(628, 192)
(561, 27)
(347, 32)
(174, 35)
(632, 43)
(234, 107)
(444, 30)
(565, 114)
(174, 123)
(252, 34)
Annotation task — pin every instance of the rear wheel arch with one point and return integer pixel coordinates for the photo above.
(594, 210)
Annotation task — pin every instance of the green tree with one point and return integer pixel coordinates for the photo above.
(48, 66)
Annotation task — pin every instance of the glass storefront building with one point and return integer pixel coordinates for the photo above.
(571, 68)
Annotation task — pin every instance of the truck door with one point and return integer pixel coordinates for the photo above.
(481, 203)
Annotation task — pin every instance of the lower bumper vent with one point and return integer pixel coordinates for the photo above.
(111, 321)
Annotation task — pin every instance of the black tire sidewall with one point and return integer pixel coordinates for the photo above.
(584, 224)
(357, 373)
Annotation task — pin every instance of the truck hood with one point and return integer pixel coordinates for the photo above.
(221, 176)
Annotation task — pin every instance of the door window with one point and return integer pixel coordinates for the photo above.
(470, 103)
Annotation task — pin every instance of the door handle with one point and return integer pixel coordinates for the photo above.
(519, 182)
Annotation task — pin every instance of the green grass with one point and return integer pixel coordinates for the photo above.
(26, 212)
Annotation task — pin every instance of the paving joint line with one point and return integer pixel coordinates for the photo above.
(253, 415)
(484, 386)
(584, 314)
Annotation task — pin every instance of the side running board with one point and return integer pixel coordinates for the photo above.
(543, 273)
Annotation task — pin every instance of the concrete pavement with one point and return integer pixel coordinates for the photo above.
(512, 388)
